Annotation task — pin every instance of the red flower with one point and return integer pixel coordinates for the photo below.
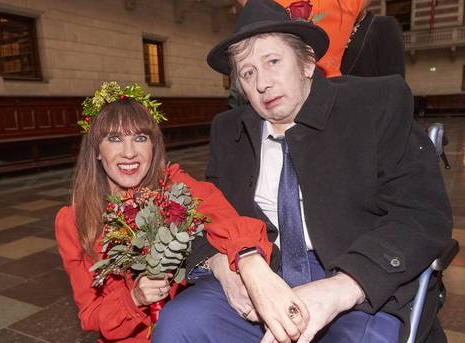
(300, 9)
(176, 213)
(130, 213)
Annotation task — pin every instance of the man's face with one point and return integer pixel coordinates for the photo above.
(273, 81)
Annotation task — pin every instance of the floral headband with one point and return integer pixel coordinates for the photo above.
(111, 92)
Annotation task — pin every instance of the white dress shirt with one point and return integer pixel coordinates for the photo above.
(266, 192)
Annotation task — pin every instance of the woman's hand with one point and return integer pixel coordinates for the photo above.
(148, 291)
(272, 298)
(233, 287)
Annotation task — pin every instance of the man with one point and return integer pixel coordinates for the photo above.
(348, 185)
(335, 17)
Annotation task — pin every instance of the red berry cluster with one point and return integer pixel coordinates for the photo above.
(191, 230)
(145, 250)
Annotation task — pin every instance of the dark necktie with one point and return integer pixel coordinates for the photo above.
(294, 260)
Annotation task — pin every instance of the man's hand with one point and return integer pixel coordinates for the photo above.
(233, 287)
(272, 298)
(325, 299)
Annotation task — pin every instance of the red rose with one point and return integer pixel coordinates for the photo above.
(176, 213)
(300, 9)
(130, 213)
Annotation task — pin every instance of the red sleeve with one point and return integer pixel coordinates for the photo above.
(109, 310)
(228, 232)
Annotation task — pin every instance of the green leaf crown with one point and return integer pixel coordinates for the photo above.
(111, 92)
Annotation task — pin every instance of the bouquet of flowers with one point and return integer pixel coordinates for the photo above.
(149, 232)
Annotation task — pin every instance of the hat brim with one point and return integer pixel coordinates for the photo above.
(311, 34)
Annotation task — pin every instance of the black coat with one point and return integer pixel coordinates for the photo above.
(376, 49)
(374, 200)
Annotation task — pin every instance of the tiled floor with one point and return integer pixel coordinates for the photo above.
(35, 298)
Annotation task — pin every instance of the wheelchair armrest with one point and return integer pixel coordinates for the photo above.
(443, 261)
(439, 264)
(436, 134)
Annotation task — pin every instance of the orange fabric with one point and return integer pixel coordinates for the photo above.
(110, 310)
(338, 23)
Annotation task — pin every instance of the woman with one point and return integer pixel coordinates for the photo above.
(122, 150)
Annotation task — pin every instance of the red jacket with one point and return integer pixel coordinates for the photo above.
(111, 310)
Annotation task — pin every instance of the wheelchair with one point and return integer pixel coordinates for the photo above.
(436, 134)
(439, 139)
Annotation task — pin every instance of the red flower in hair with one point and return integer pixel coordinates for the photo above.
(300, 9)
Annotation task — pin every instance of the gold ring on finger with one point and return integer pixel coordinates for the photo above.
(293, 311)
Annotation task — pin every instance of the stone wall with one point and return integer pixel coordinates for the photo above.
(82, 43)
(434, 72)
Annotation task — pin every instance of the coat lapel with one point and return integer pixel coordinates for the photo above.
(249, 126)
(312, 119)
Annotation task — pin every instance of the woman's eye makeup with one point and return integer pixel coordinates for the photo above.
(141, 138)
(114, 138)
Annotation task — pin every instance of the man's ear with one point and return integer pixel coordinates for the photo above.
(309, 69)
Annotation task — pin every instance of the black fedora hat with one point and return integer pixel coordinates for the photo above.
(266, 16)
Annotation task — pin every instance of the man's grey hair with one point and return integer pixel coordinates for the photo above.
(240, 50)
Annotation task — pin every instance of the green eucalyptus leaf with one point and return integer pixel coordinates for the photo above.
(154, 271)
(165, 261)
(173, 229)
(114, 199)
(180, 275)
(187, 200)
(177, 246)
(141, 220)
(113, 253)
(182, 237)
(139, 266)
(176, 189)
(141, 234)
(173, 255)
(99, 264)
(120, 248)
(152, 262)
(138, 242)
(165, 235)
(169, 267)
(155, 254)
(159, 247)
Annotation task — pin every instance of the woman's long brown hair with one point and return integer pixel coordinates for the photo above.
(91, 185)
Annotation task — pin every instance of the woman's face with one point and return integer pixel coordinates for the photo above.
(126, 160)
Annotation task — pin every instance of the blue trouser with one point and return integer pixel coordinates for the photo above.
(201, 314)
